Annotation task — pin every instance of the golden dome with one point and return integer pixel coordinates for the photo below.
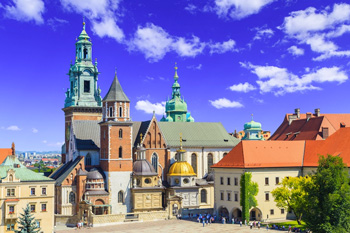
(181, 168)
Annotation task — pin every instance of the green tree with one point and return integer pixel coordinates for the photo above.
(249, 190)
(328, 197)
(291, 195)
(26, 222)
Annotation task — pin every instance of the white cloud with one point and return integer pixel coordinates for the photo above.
(222, 47)
(194, 67)
(44, 141)
(26, 10)
(148, 107)
(191, 8)
(154, 42)
(316, 28)
(54, 23)
(225, 103)
(13, 128)
(238, 9)
(294, 50)
(242, 87)
(263, 33)
(101, 13)
(280, 81)
(34, 130)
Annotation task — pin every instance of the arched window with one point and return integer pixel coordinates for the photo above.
(155, 161)
(210, 161)
(120, 197)
(194, 162)
(120, 152)
(85, 52)
(120, 111)
(110, 112)
(11, 178)
(71, 197)
(120, 133)
(88, 159)
(204, 196)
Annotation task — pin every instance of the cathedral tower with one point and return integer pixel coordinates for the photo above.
(116, 147)
(83, 100)
(176, 107)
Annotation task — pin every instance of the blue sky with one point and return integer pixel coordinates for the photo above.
(235, 58)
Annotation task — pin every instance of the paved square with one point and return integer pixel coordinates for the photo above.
(175, 226)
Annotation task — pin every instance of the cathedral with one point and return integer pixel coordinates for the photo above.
(113, 165)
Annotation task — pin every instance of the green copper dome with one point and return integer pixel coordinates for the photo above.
(176, 107)
(252, 125)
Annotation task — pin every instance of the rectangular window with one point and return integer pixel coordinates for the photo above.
(11, 209)
(236, 181)
(277, 180)
(228, 181)
(32, 191)
(38, 224)
(282, 211)
(43, 207)
(272, 212)
(221, 196)
(86, 86)
(11, 192)
(266, 180)
(32, 208)
(236, 196)
(229, 196)
(221, 180)
(267, 196)
(43, 191)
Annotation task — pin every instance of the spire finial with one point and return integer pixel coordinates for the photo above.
(180, 141)
(141, 138)
(252, 116)
(175, 76)
(115, 71)
(84, 22)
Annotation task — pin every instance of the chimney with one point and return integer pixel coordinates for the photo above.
(325, 132)
(317, 112)
(308, 115)
(297, 112)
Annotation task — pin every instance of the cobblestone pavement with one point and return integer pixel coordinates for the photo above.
(174, 226)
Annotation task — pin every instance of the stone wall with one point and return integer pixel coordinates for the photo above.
(67, 220)
(110, 219)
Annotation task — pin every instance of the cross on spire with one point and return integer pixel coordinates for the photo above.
(84, 22)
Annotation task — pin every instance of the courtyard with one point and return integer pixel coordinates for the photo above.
(166, 226)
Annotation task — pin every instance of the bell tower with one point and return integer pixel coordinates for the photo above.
(116, 147)
(83, 100)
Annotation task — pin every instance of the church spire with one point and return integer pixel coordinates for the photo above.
(116, 92)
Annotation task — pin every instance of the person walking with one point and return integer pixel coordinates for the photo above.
(240, 223)
(203, 221)
(245, 222)
(259, 225)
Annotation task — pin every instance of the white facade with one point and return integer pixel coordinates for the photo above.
(202, 157)
(116, 182)
(225, 189)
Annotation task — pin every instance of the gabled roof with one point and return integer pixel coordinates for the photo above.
(303, 128)
(197, 134)
(87, 134)
(337, 145)
(259, 154)
(138, 128)
(116, 92)
(63, 171)
(21, 172)
(4, 152)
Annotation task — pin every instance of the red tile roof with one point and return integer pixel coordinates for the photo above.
(309, 129)
(260, 154)
(4, 152)
(336, 144)
(256, 154)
